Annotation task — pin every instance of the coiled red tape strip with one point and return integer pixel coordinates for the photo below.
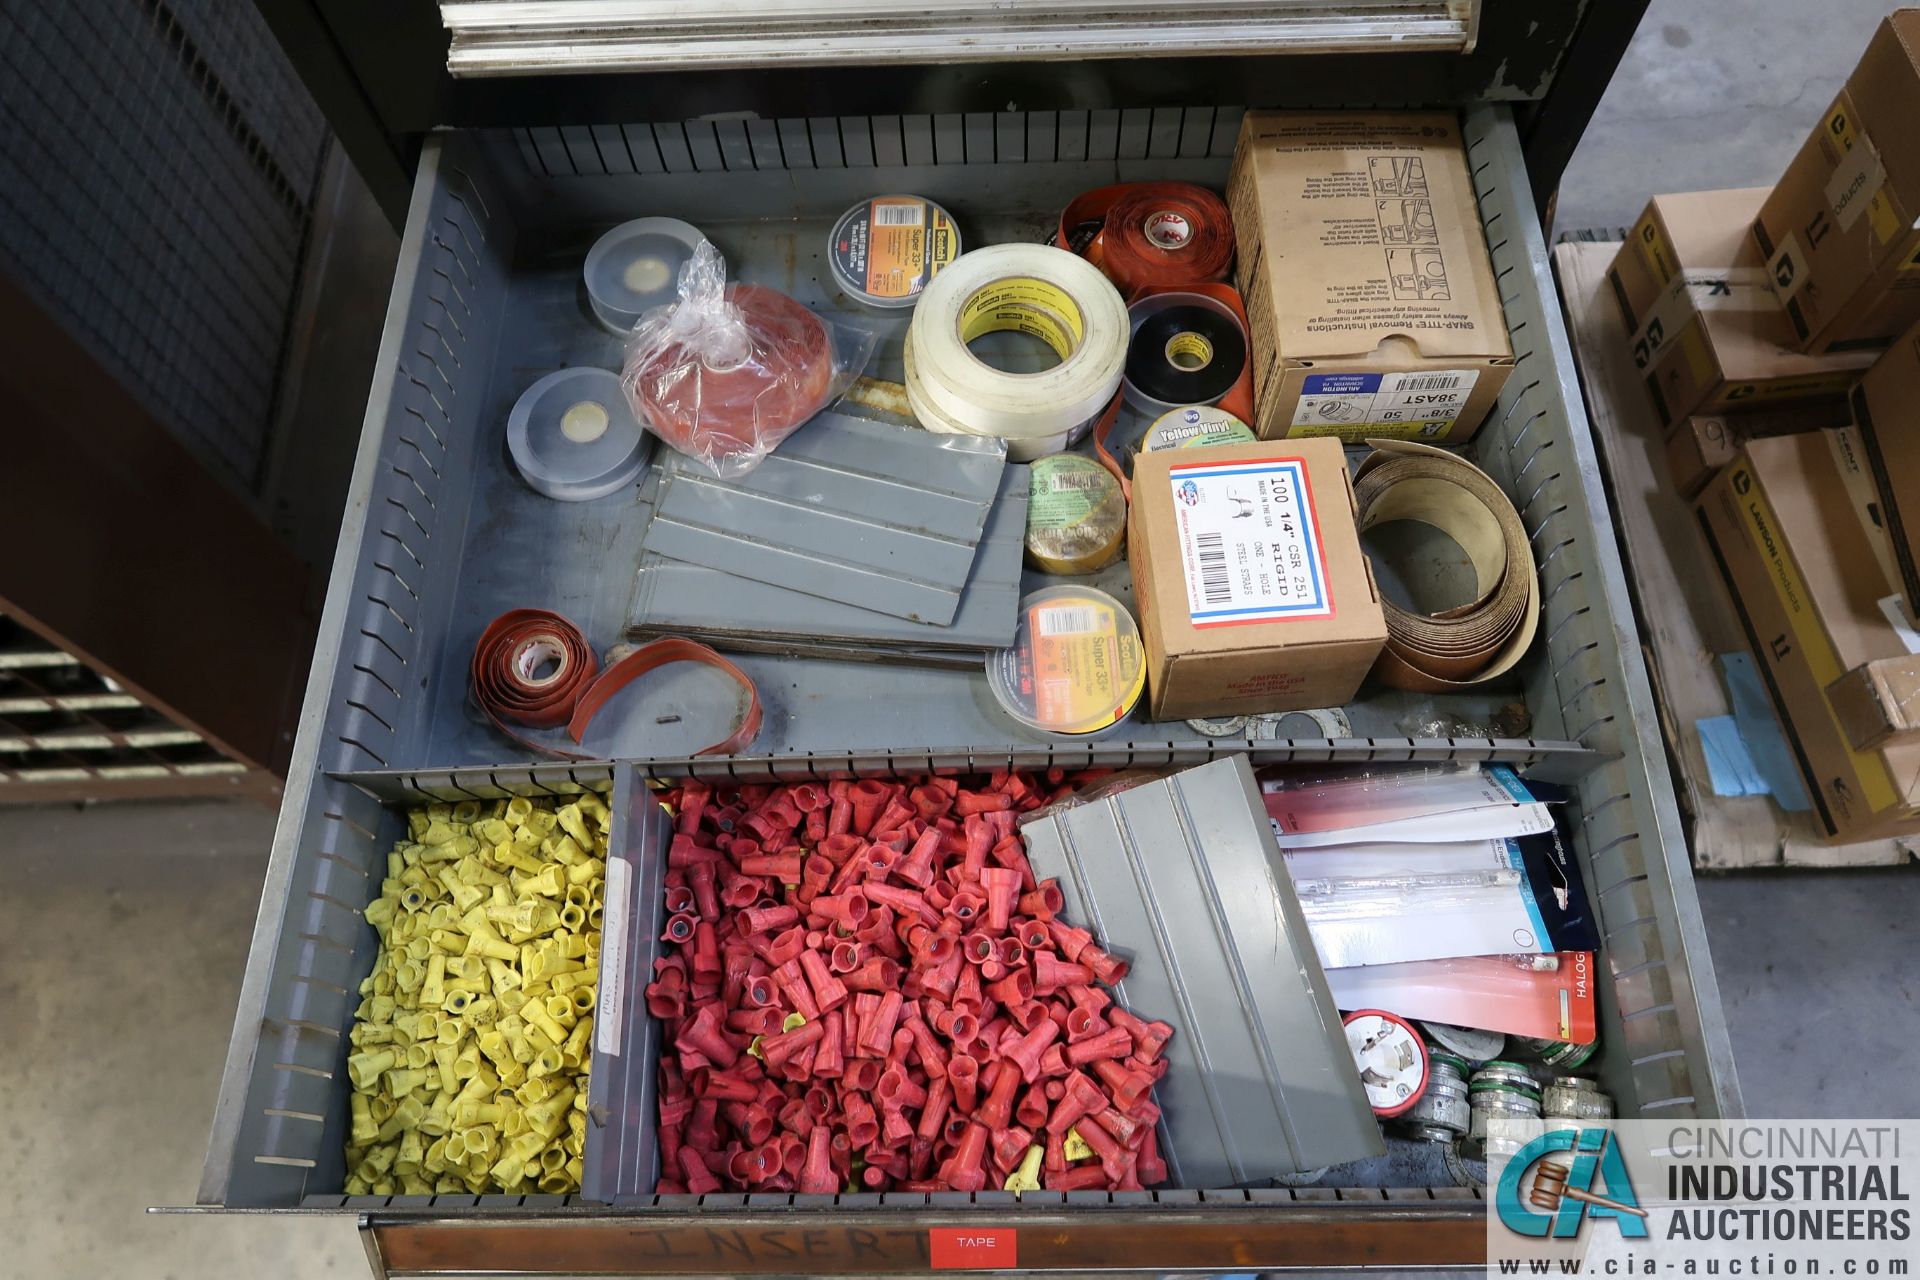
(520, 642)
(1152, 234)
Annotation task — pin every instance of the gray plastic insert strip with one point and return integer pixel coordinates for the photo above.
(677, 598)
(847, 509)
(621, 1107)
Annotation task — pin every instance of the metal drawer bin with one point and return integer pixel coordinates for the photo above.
(334, 950)
(440, 536)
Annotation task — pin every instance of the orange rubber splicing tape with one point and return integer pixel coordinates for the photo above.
(535, 669)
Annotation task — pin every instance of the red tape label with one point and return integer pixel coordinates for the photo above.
(972, 1248)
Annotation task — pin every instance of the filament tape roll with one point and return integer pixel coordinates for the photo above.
(1047, 293)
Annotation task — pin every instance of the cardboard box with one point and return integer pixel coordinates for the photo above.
(1704, 443)
(1838, 231)
(1878, 703)
(1808, 583)
(1369, 292)
(1886, 411)
(1705, 331)
(1248, 578)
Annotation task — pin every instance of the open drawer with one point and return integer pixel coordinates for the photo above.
(441, 536)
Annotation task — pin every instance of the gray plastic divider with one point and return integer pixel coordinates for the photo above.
(621, 1106)
(1181, 876)
(676, 598)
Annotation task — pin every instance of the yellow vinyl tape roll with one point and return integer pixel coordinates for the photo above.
(1048, 293)
(1076, 516)
(1483, 638)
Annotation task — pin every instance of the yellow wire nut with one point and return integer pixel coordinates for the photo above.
(364, 1069)
(1027, 1176)
(575, 823)
(478, 977)
(363, 1127)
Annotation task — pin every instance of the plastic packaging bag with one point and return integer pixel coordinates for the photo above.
(728, 371)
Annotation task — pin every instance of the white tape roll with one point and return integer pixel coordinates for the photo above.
(1049, 293)
(1025, 449)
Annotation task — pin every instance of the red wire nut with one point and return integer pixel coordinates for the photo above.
(853, 1003)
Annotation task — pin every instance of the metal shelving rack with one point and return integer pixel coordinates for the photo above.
(159, 167)
(69, 733)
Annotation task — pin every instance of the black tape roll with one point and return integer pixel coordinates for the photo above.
(1186, 355)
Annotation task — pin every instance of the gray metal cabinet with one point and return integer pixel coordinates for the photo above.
(441, 536)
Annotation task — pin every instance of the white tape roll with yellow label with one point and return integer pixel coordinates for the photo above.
(1048, 293)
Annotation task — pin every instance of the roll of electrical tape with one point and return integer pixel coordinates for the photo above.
(1150, 234)
(572, 436)
(1184, 349)
(1076, 516)
(883, 251)
(531, 667)
(1483, 638)
(1195, 427)
(635, 267)
(1076, 666)
(1048, 293)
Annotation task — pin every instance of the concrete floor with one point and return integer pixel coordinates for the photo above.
(120, 965)
(1711, 95)
(129, 926)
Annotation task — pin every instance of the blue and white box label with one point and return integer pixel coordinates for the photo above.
(1250, 547)
(1424, 402)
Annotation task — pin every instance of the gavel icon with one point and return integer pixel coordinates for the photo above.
(1550, 1186)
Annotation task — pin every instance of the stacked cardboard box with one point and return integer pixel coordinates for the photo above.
(1838, 231)
(1706, 442)
(1795, 526)
(1252, 590)
(1706, 331)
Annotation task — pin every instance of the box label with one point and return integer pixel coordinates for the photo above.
(1858, 180)
(1653, 248)
(610, 1005)
(1249, 539)
(1844, 444)
(1670, 315)
(1855, 183)
(973, 1248)
(1787, 269)
(1403, 405)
